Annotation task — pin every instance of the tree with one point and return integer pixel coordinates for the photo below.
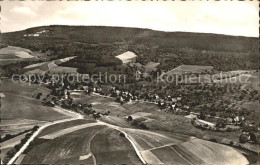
(122, 134)
(213, 114)
(243, 138)
(202, 115)
(221, 123)
(130, 118)
(252, 137)
(143, 126)
(39, 95)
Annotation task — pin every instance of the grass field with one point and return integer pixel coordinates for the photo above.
(213, 153)
(255, 83)
(12, 54)
(17, 106)
(110, 148)
(185, 69)
(150, 114)
(65, 149)
(15, 51)
(60, 126)
(51, 66)
(20, 110)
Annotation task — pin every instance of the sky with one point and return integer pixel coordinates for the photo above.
(239, 18)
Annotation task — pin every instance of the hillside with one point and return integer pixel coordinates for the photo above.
(98, 34)
(96, 47)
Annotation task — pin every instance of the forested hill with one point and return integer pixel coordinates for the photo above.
(97, 46)
(101, 34)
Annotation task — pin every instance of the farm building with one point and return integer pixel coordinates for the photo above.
(127, 57)
(1, 95)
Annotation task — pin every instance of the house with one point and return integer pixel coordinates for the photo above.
(127, 57)
(2, 95)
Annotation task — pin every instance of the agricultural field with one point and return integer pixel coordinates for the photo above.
(21, 110)
(13, 54)
(142, 112)
(186, 69)
(94, 144)
(64, 149)
(108, 146)
(100, 143)
(243, 77)
(60, 126)
(50, 66)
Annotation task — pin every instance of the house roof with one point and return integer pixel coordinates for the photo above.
(126, 57)
(2, 95)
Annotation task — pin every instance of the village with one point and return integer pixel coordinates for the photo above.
(130, 83)
(200, 102)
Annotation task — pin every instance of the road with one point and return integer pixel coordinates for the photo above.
(129, 139)
(69, 113)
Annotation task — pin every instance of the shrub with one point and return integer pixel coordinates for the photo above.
(243, 138)
(229, 129)
(130, 118)
(143, 126)
(122, 134)
(213, 140)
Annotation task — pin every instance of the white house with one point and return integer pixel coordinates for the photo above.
(127, 57)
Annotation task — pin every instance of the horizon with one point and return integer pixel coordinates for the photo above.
(131, 28)
(222, 17)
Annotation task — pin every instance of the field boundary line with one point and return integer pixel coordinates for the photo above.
(132, 143)
(89, 143)
(24, 147)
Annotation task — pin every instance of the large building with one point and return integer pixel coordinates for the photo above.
(127, 57)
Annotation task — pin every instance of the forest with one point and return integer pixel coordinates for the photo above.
(96, 48)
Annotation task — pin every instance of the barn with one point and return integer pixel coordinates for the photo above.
(127, 57)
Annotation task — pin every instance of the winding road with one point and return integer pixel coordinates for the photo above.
(75, 115)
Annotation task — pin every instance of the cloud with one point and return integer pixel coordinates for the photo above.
(222, 17)
(23, 10)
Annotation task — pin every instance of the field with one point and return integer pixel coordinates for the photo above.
(109, 147)
(12, 54)
(143, 112)
(64, 149)
(101, 143)
(51, 66)
(15, 52)
(185, 69)
(21, 110)
(9, 144)
(181, 149)
(254, 81)
(61, 126)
